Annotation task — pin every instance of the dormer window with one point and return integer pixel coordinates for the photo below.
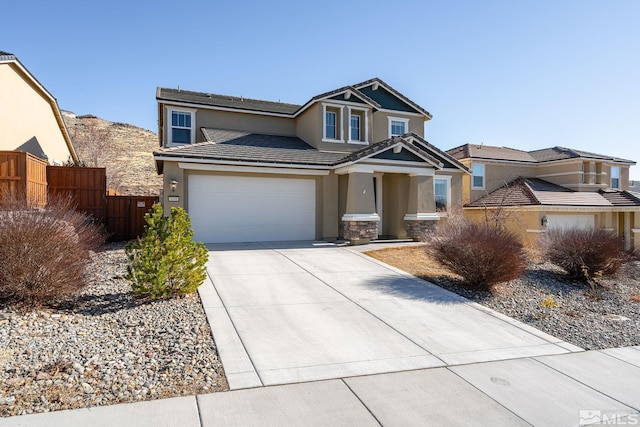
(358, 126)
(398, 126)
(615, 177)
(181, 124)
(333, 130)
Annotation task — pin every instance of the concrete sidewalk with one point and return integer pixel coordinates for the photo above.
(561, 390)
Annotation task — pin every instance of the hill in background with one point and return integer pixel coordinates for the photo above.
(125, 150)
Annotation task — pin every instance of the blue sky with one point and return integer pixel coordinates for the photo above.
(523, 74)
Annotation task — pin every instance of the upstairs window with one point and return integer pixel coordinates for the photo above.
(333, 129)
(615, 177)
(477, 176)
(358, 123)
(398, 126)
(330, 125)
(441, 191)
(355, 127)
(181, 127)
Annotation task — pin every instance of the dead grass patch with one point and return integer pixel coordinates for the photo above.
(414, 260)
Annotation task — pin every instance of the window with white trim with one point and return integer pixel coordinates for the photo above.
(477, 176)
(615, 177)
(354, 127)
(332, 123)
(441, 192)
(181, 126)
(398, 126)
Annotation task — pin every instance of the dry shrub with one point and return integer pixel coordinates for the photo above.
(482, 254)
(44, 252)
(585, 254)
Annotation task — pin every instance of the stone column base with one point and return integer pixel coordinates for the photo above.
(418, 230)
(360, 232)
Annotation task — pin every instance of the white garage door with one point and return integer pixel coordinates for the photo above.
(570, 221)
(248, 209)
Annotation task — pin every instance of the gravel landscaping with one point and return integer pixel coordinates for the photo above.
(544, 299)
(105, 347)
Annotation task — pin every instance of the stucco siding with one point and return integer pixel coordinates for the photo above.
(243, 122)
(27, 120)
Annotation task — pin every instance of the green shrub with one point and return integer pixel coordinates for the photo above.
(44, 252)
(480, 253)
(585, 254)
(165, 261)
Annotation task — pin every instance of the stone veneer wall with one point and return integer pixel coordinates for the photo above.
(419, 229)
(360, 230)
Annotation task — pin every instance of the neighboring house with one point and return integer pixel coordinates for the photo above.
(351, 163)
(550, 188)
(30, 120)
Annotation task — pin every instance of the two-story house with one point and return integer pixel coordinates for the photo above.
(550, 188)
(351, 163)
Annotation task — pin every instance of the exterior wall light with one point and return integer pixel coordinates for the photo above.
(174, 185)
(544, 221)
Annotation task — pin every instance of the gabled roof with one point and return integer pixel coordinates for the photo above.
(488, 152)
(376, 82)
(257, 105)
(534, 191)
(9, 58)
(249, 147)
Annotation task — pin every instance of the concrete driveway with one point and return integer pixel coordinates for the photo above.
(293, 312)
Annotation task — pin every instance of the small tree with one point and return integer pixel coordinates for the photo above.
(165, 261)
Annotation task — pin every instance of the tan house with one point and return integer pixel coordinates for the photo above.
(550, 188)
(30, 120)
(351, 163)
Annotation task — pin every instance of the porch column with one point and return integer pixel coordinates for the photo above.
(627, 231)
(636, 230)
(421, 214)
(590, 170)
(360, 221)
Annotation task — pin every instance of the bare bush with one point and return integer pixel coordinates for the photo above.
(44, 252)
(483, 255)
(585, 254)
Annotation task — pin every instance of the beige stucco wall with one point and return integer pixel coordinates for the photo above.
(309, 125)
(330, 207)
(525, 224)
(380, 123)
(496, 176)
(27, 118)
(239, 121)
(395, 201)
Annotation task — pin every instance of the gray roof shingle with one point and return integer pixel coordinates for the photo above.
(482, 151)
(534, 191)
(252, 147)
(235, 102)
(242, 146)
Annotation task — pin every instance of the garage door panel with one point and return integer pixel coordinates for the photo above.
(582, 221)
(249, 209)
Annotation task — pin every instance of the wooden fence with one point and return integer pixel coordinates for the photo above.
(125, 215)
(23, 177)
(86, 186)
